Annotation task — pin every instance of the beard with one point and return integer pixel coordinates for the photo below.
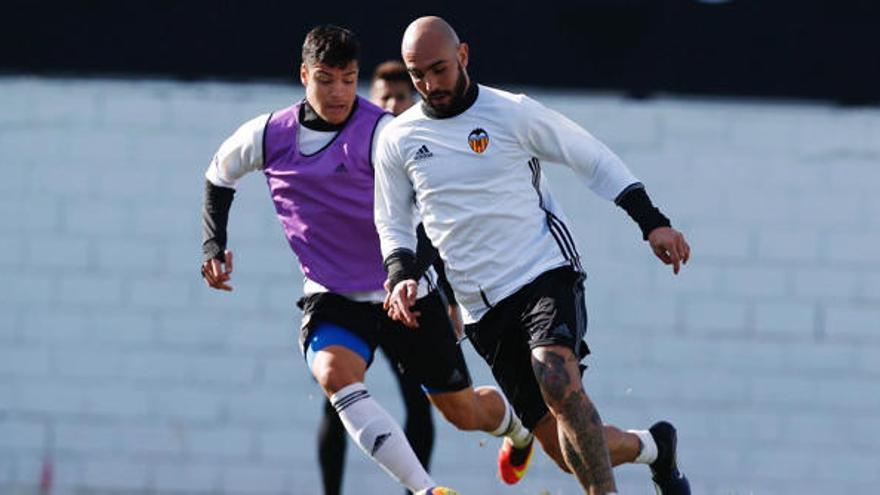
(456, 95)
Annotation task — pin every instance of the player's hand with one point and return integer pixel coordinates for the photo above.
(400, 300)
(217, 273)
(669, 245)
(457, 323)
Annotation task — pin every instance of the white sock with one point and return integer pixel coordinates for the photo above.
(648, 453)
(379, 436)
(511, 426)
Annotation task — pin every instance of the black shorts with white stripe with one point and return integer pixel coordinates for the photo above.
(550, 310)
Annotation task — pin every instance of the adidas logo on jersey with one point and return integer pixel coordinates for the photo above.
(340, 168)
(423, 153)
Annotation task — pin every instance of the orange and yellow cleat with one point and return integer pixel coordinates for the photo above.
(513, 462)
(438, 490)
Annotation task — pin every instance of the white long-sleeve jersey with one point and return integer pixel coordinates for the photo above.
(476, 179)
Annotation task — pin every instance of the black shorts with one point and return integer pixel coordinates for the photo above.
(550, 310)
(429, 355)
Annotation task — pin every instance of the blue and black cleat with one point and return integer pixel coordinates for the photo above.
(668, 480)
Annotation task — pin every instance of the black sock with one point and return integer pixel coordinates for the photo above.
(331, 450)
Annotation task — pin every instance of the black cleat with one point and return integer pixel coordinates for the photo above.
(668, 480)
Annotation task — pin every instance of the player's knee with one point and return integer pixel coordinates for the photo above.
(333, 378)
(554, 376)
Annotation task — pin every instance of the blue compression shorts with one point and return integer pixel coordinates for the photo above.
(327, 334)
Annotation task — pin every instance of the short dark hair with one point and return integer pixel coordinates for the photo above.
(392, 71)
(330, 45)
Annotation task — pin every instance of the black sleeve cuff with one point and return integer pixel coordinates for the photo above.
(635, 201)
(215, 215)
(401, 265)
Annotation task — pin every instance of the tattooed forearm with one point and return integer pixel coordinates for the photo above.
(552, 375)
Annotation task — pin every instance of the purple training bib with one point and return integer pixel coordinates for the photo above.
(325, 200)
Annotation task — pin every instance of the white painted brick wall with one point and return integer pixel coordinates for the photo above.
(120, 366)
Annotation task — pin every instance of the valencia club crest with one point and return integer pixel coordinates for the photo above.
(478, 140)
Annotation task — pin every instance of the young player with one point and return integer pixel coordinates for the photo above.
(317, 158)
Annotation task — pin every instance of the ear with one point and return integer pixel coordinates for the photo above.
(304, 74)
(463, 50)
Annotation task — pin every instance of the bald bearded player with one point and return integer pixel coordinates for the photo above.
(471, 156)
